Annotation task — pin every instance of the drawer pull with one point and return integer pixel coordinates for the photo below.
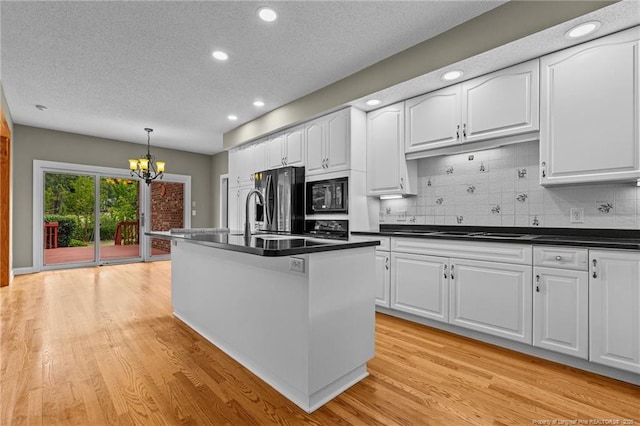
(595, 272)
(445, 272)
(558, 257)
(452, 277)
(537, 283)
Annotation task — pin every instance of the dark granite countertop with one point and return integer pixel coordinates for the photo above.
(628, 239)
(261, 244)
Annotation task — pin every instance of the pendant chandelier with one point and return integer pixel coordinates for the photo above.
(147, 168)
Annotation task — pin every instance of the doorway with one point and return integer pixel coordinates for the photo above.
(87, 215)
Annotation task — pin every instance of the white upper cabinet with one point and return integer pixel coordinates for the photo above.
(590, 115)
(497, 105)
(286, 149)
(328, 143)
(246, 159)
(503, 103)
(260, 156)
(387, 171)
(234, 167)
(433, 120)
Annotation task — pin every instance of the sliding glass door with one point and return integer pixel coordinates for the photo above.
(86, 215)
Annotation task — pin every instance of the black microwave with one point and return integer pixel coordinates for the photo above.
(328, 196)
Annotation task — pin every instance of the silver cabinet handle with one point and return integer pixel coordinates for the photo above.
(386, 263)
(538, 283)
(401, 183)
(595, 265)
(544, 169)
(458, 132)
(445, 272)
(464, 130)
(558, 257)
(452, 277)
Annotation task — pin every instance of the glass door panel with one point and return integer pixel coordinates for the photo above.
(119, 225)
(69, 219)
(166, 213)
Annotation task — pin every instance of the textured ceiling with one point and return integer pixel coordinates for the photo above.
(109, 69)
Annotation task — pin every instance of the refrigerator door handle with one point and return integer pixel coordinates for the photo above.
(267, 212)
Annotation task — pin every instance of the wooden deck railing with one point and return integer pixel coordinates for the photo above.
(50, 235)
(127, 233)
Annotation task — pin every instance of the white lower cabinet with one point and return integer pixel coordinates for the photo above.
(491, 297)
(560, 311)
(237, 200)
(614, 309)
(420, 284)
(383, 277)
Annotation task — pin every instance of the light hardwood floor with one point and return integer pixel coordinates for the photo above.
(99, 346)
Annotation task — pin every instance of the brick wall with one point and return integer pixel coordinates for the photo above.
(167, 210)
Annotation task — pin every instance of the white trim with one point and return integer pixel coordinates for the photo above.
(40, 167)
(24, 271)
(224, 200)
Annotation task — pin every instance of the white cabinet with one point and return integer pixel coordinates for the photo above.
(560, 300)
(491, 297)
(260, 156)
(387, 169)
(236, 203)
(383, 268)
(590, 111)
(503, 103)
(433, 120)
(234, 168)
(614, 309)
(286, 149)
(328, 143)
(420, 285)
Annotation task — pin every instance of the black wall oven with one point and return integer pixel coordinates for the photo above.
(328, 196)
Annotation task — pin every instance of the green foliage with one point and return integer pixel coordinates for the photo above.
(73, 196)
(77, 243)
(66, 227)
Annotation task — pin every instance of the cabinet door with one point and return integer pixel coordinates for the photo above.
(492, 297)
(233, 213)
(260, 156)
(294, 147)
(337, 142)
(275, 158)
(614, 309)
(433, 120)
(502, 103)
(419, 285)
(315, 136)
(234, 168)
(561, 311)
(246, 165)
(385, 156)
(590, 118)
(383, 278)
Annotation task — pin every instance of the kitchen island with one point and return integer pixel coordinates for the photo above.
(298, 312)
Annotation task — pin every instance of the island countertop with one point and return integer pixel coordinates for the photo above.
(262, 244)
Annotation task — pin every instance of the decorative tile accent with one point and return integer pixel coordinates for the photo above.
(440, 201)
(459, 219)
(604, 207)
(429, 182)
(535, 221)
(471, 189)
(449, 170)
(482, 167)
(522, 197)
(522, 173)
(388, 210)
(495, 209)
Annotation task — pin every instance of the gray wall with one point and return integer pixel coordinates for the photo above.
(31, 143)
(219, 166)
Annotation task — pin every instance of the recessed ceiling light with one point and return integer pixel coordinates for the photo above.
(452, 75)
(220, 55)
(582, 29)
(41, 107)
(258, 103)
(232, 117)
(267, 14)
(374, 102)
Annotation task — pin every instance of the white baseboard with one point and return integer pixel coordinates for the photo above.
(23, 271)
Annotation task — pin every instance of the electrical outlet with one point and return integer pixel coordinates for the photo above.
(296, 264)
(402, 215)
(193, 212)
(576, 215)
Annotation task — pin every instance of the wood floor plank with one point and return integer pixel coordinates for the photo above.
(100, 346)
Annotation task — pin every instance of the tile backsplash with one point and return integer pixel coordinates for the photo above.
(500, 187)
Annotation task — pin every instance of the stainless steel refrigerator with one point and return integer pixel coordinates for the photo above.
(283, 209)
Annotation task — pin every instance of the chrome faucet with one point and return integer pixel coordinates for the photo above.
(247, 222)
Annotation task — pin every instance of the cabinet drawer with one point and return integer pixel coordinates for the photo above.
(385, 242)
(561, 257)
(495, 252)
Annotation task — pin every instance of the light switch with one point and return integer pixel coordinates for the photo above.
(193, 212)
(576, 215)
